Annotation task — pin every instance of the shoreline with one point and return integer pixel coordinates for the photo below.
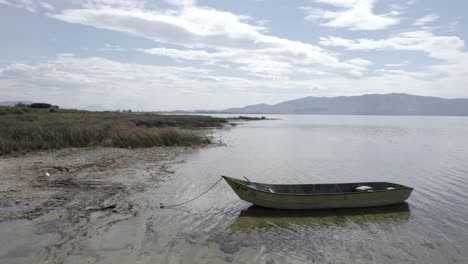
(53, 202)
(61, 197)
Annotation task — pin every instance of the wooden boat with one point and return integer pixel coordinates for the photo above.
(319, 196)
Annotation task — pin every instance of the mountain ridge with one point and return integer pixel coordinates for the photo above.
(367, 104)
(13, 103)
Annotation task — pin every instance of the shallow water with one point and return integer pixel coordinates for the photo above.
(427, 153)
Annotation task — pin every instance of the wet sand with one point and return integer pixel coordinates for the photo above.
(50, 202)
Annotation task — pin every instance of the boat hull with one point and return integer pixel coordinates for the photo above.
(318, 201)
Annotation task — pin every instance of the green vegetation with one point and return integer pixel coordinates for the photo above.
(18, 110)
(181, 121)
(25, 129)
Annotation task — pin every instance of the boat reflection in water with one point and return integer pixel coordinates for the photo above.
(264, 219)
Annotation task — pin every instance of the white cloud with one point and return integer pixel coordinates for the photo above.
(74, 81)
(396, 65)
(400, 6)
(352, 14)
(189, 27)
(46, 5)
(271, 63)
(30, 5)
(448, 48)
(93, 4)
(110, 47)
(450, 73)
(225, 59)
(71, 81)
(360, 62)
(182, 2)
(232, 37)
(180, 54)
(425, 20)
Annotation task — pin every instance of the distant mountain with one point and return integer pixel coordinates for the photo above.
(13, 103)
(369, 104)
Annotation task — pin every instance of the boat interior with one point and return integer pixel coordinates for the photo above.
(326, 188)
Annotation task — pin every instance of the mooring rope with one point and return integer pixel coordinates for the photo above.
(193, 199)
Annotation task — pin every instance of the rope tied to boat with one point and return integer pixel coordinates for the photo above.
(161, 205)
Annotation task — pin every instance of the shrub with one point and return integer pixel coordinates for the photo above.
(18, 110)
(40, 105)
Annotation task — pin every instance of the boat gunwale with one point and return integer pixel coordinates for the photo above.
(317, 194)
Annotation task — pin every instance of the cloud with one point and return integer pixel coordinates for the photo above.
(179, 54)
(30, 5)
(452, 70)
(182, 2)
(75, 82)
(226, 60)
(425, 20)
(396, 65)
(360, 62)
(26, 4)
(351, 14)
(439, 47)
(72, 81)
(93, 4)
(190, 27)
(46, 5)
(229, 37)
(110, 47)
(269, 63)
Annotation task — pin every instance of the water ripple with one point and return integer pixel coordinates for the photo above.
(427, 153)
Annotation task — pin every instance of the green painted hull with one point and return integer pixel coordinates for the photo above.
(318, 196)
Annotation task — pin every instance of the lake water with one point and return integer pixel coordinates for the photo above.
(429, 154)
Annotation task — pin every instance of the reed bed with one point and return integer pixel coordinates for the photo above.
(31, 131)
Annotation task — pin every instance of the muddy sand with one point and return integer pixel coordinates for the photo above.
(50, 201)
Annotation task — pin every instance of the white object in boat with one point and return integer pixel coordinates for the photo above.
(363, 188)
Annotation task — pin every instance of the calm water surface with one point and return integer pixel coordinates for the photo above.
(427, 153)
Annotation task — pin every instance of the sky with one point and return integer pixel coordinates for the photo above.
(184, 54)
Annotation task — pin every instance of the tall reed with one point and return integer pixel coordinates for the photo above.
(26, 132)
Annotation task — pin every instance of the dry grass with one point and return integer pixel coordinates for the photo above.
(42, 130)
